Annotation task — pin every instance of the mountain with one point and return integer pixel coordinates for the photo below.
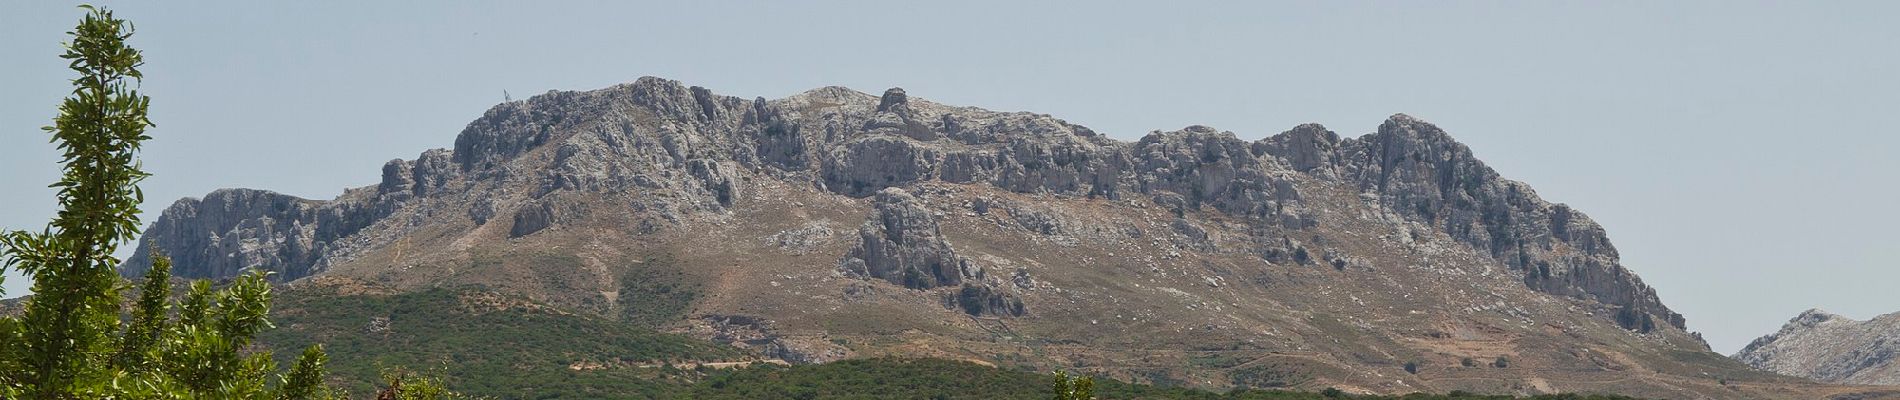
(835, 224)
(1831, 348)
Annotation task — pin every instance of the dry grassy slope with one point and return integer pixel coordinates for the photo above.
(1118, 287)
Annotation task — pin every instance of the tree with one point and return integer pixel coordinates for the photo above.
(1077, 388)
(64, 332)
(305, 380)
(70, 342)
(406, 386)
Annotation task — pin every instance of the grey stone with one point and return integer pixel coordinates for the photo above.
(901, 244)
(531, 219)
(867, 165)
(1418, 171)
(983, 300)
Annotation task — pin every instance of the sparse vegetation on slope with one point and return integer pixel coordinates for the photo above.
(485, 344)
(946, 379)
(489, 345)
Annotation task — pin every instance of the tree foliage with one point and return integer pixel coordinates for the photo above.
(1074, 388)
(70, 342)
(406, 386)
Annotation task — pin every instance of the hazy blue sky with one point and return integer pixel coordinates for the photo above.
(1741, 155)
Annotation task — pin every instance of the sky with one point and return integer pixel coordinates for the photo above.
(1741, 155)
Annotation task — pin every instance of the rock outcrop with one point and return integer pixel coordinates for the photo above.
(1206, 167)
(1831, 348)
(230, 230)
(1419, 172)
(901, 243)
(988, 300)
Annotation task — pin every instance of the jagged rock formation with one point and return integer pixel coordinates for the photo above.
(987, 300)
(1420, 172)
(231, 230)
(901, 244)
(1831, 348)
(982, 234)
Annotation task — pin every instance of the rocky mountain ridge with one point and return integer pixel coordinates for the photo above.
(1831, 348)
(834, 224)
(1412, 167)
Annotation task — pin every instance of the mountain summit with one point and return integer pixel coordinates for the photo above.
(1831, 348)
(834, 224)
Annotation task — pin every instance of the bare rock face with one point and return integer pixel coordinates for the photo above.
(867, 165)
(230, 230)
(529, 220)
(1204, 166)
(1419, 172)
(1831, 348)
(1308, 148)
(902, 244)
(988, 300)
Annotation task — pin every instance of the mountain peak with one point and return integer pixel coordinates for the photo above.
(1832, 348)
(1403, 124)
(651, 83)
(830, 93)
(1815, 316)
(893, 97)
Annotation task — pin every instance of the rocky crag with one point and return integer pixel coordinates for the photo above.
(835, 223)
(1831, 348)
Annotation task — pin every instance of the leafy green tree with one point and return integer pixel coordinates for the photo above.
(70, 342)
(65, 333)
(305, 380)
(406, 386)
(1077, 388)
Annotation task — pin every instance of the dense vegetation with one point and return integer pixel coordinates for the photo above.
(944, 379)
(483, 343)
(489, 345)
